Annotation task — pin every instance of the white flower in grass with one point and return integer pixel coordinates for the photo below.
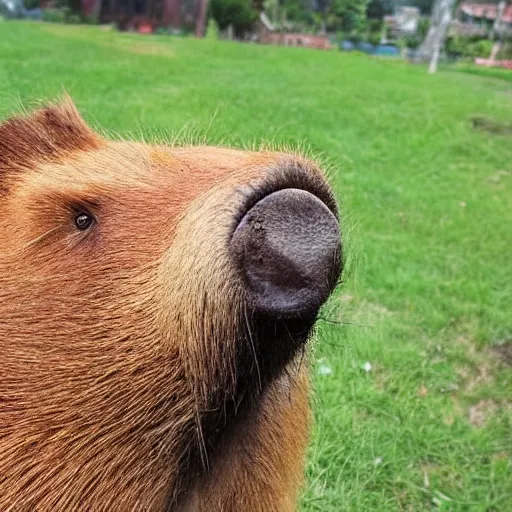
(367, 367)
(324, 369)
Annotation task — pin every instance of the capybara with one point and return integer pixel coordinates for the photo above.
(155, 303)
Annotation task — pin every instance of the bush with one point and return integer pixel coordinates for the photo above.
(423, 26)
(72, 18)
(401, 44)
(505, 51)
(295, 11)
(31, 4)
(481, 48)
(412, 41)
(70, 5)
(374, 38)
(468, 47)
(54, 15)
(238, 13)
(375, 26)
(355, 37)
(90, 19)
(377, 9)
(212, 30)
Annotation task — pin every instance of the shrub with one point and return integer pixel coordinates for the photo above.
(401, 44)
(54, 15)
(375, 26)
(72, 17)
(238, 13)
(212, 30)
(355, 37)
(505, 51)
(412, 41)
(374, 38)
(423, 26)
(468, 47)
(90, 19)
(31, 4)
(481, 48)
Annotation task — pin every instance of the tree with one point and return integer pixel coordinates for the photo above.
(11, 8)
(351, 13)
(425, 6)
(497, 29)
(322, 7)
(202, 7)
(440, 21)
(237, 13)
(377, 9)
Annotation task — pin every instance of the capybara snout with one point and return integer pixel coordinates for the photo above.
(285, 240)
(288, 248)
(155, 302)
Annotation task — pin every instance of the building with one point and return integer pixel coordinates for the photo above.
(404, 22)
(480, 18)
(148, 15)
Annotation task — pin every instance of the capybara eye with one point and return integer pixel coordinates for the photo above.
(83, 221)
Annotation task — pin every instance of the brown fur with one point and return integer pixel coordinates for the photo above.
(129, 377)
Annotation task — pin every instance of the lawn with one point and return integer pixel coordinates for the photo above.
(412, 369)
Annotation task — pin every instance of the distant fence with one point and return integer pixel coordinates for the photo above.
(290, 39)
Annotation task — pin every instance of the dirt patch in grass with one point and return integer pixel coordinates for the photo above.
(499, 177)
(504, 352)
(491, 126)
(480, 413)
(481, 373)
(476, 376)
(485, 363)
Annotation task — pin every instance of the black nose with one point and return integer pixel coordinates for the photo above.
(288, 247)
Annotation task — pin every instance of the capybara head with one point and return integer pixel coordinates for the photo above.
(150, 296)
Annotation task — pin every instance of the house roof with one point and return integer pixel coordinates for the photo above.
(487, 11)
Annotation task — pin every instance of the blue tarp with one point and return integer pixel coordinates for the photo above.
(382, 49)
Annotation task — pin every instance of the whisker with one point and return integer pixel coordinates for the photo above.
(253, 349)
(339, 322)
(202, 445)
(302, 355)
(41, 237)
(289, 334)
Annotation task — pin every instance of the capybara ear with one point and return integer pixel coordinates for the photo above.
(49, 134)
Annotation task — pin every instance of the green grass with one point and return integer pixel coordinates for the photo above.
(427, 203)
(500, 73)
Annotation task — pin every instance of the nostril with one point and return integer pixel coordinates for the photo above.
(288, 249)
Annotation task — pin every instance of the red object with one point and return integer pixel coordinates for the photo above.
(145, 28)
(507, 64)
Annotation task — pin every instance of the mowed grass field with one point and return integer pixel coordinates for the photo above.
(412, 368)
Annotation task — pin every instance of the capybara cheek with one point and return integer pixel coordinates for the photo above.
(201, 298)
